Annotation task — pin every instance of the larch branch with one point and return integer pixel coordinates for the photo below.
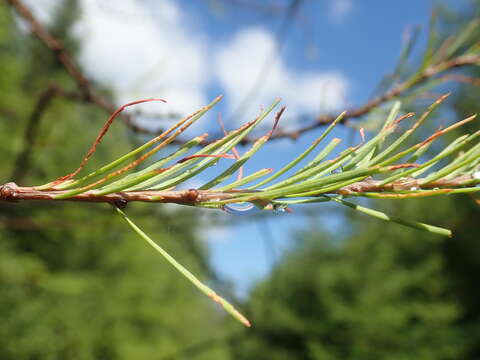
(438, 69)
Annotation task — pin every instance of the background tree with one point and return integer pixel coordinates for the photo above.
(69, 289)
(379, 292)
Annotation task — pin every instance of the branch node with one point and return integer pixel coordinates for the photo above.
(192, 196)
(120, 203)
(8, 192)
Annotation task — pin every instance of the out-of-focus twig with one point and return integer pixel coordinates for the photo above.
(265, 70)
(440, 68)
(59, 50)
(55, 45)
(22, 162)
(428, 73)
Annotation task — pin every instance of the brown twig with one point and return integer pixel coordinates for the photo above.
(55, 45)
(12, 192)
(58, 49)
(405, 184)
(462, 79)
(398, 90)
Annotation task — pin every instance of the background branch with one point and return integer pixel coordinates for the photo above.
(22, 162)
(440, 68)
(84, 86)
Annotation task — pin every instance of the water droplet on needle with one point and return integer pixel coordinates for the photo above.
(243, 208)
(278, 209)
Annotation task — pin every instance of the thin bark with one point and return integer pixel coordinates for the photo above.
(12, 192)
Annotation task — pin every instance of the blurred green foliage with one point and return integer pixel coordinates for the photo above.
(75, 281)
(381, 291)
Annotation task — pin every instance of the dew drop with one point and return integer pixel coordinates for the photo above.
(278, 209)
(244, 208)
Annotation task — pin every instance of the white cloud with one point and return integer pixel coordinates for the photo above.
(143, 52)
(340, 9)
(238, 65)
(151, 49)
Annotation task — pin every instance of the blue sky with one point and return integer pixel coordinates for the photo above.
(191, 51)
